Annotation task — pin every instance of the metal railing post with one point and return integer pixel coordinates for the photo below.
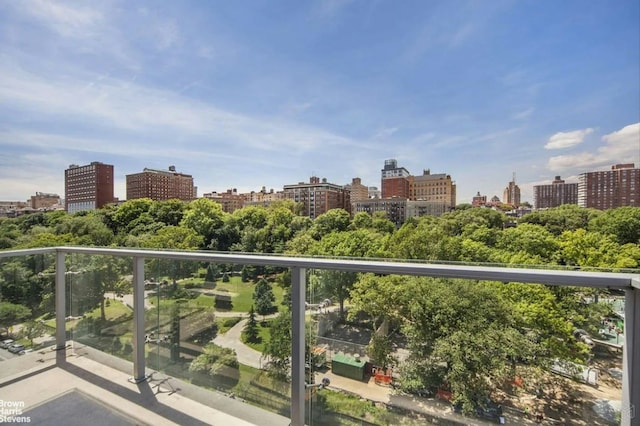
(631, 359)
(138, 321)
(61, 299)
(297, 346)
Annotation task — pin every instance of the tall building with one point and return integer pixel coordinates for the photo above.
(230, 200)
(88, 187)
(395, 180)
(609, 189)
(555, 194)
(511, 194)
(437, 188)
(318, 197)
(160, 185)
(357, 189)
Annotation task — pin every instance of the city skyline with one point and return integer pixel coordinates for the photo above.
(270, 94)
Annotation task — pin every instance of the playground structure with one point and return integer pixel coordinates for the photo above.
(382, 376)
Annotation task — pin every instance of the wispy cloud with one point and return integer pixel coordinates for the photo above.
(524, 114)
(129, 107)
(562, 140)
(68, 20)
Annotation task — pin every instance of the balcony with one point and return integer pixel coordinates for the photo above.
(124, 349)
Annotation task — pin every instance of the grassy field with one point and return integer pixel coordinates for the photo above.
(113, 311)
(241, 294)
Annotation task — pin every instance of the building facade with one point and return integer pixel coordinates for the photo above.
(555, 194)
(318, 197)
(394, 180)
(88, 187)
(230, 200)
(609, 189)
(398, 210)
(357, 190)
(44, 201)
(395, 209)
(479, 200)
(438, 188)
(262, 198)
(160, 185)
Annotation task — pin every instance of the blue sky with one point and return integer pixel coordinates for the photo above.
(251, 93)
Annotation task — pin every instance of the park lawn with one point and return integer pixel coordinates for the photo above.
(115, 310)
(241, 294)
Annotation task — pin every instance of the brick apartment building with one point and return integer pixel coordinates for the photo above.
(160, 185)
(555, 194)
(88, 187)
(318, 197)
(229, 200)
(609, 189)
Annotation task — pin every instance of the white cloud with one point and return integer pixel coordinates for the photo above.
(563, 140)
(623, 143)
(621, 146)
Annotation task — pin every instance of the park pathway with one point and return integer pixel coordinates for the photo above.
(231, 339)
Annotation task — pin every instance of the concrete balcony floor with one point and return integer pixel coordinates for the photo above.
(80, 389)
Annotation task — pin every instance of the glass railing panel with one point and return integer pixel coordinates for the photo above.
(99, 318)
(405, 350)
(27, 307)
(200, 328)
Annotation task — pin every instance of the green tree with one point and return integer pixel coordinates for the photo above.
(169, 212)
(263, 297)
(212, 273)
(278, 349)
(622, 223)
(11, 314)
(568, 217)
(250, 333)
(334, 220)
(32, 330)
(205, 217)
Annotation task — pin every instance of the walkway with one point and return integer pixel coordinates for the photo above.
(231, 339)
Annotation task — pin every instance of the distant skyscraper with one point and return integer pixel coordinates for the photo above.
(88, 187)
(160, 185)
(511, 194)
(395, 180)
(609, 189)
(555, 194)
